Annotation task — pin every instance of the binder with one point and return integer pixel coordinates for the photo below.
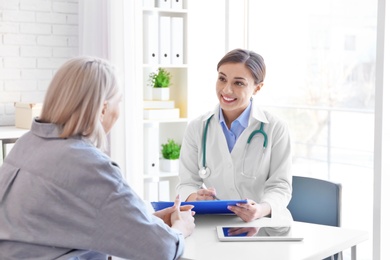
(151, 148)
(177, 4)
(177, 40)
(165, 40)
(163, 4)
(151, 39)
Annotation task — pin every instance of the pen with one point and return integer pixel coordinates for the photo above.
(203, 186)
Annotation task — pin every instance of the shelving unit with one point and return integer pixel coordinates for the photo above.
(159, 185)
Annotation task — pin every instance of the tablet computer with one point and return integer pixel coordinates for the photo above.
(253, 233)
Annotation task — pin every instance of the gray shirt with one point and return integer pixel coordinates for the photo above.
(65, 199)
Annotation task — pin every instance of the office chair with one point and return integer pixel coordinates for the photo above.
(316, 201)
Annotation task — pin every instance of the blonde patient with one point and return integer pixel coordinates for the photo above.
(62, 197)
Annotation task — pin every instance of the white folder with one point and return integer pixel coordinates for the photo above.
(151, 148)
(177, 40)
(177, 4)
(163, 4)
(151, 55)
(165, 40)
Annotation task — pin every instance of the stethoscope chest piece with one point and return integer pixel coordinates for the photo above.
(204, 172)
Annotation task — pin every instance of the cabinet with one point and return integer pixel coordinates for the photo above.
(164, 45)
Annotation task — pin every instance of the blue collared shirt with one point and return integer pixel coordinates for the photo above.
(237, 127)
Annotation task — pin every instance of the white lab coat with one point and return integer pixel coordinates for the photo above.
(267, 176)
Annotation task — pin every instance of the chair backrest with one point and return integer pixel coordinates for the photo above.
(316, 201)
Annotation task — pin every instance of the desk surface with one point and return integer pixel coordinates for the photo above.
(11, 132)
(319, 241)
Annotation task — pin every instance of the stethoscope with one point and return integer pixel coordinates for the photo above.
(204, 172)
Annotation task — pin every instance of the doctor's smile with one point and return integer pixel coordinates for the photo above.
(228, 99)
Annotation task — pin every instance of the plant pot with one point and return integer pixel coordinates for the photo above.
(160, 93)
(169, 165)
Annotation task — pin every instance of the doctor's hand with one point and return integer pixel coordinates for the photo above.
(203, 194)
(251, 210)
(183, 220)
(165, 214)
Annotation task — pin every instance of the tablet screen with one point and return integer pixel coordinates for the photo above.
(256, 233)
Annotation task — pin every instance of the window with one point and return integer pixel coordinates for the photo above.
(320, 58)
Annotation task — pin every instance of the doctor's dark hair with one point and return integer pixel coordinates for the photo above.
(252, 60)
(75, 97)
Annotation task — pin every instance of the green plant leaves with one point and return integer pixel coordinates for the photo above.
(171, 150)
(161, 79)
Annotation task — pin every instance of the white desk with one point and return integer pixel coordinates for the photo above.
(319, 242)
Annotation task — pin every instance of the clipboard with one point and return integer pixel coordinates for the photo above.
(202, 207)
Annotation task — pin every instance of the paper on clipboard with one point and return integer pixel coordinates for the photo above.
(202, 207)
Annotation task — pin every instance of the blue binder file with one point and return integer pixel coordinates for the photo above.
(202, 207)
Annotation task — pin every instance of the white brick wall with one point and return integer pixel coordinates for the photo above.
(36, 37)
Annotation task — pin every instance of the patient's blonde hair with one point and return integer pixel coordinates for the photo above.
(75, 98)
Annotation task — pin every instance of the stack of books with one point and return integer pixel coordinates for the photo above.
(160, 109)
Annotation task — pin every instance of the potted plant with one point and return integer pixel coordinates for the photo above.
(170, 156)
(160, 81)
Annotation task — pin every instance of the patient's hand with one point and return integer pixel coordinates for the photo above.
(165, 214)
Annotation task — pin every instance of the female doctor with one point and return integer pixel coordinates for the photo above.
(238, 150)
